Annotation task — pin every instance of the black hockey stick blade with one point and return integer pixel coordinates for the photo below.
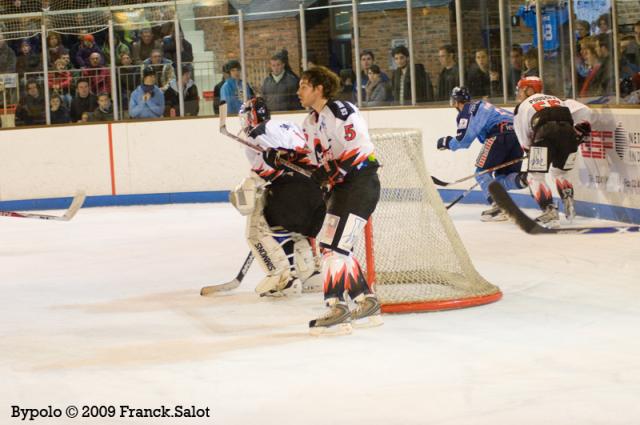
(439, 182)
(530, 226)
(233, 284)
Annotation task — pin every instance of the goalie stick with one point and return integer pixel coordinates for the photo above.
(232, 284)
(223, 130)
(488, 170)
(530, 226)
(76, 204)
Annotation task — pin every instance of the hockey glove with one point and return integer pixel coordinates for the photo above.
(327, 175)
(272, 157)
(443, 142)
(583, 129)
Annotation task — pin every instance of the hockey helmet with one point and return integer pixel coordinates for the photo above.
(252, 113)
(534, 82)
(460, 94)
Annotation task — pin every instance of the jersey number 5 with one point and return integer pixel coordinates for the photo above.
(349, 133)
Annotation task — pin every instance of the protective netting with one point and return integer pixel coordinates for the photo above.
(420, 261)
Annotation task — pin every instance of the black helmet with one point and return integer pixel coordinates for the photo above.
(252, 113)
(460, 94)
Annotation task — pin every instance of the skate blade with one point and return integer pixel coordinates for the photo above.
(368, 322)
(494, 219)
(336, 330)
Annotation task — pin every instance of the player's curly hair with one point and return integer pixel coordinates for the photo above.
(323, 76)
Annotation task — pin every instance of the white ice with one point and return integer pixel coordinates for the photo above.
(105, 310)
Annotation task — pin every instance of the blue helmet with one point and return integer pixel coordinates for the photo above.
(460, 94)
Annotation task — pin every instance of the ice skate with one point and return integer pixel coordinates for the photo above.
(367, 314)
(550, 217)
(336, 321)
(569, 205)
(493, 214)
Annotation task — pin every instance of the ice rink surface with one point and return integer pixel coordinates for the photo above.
(105, 310)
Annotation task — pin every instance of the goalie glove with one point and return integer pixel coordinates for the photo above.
(327, 175)
(443, 142)
(583, 129)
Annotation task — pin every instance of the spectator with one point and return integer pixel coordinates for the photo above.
(27, 61)
(99, 77)
(60, 81)
(606, 77)
(591, 85)
(129, 79)
(30, 109)
(147, 100)
(347, 83)
(84, 101)
(58, 112)
(162, 67)
(54, 47)
(630, 49)
(85, 117)
(377, 91)
(516, 59)
(604, 23)
(280, 87)
(401, 79)
(7, 57)
(583, 29)
(481, 80)
(531, 63)
(169, 48)
(449, 76)
(218, 88)
(86, 50)
(232, 89)
(189, 91)
(121, 48)
(104, 111)
(141, 49)
(367, 59)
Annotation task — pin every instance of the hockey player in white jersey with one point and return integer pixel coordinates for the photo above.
(550, 130)
(344, 163)
(284, 208)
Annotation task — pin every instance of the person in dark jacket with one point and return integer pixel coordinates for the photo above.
(58, 113)
(84, 52)
(189, 91)
(28, 61)
(104, 111)
(84, 101)
(169, 48)
(482, 81)
(449, 76)
(280, 86)
(401, 79)
(30, 109)
(7, 57)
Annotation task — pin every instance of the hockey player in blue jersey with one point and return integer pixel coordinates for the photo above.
(493, 127)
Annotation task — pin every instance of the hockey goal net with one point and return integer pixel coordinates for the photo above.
(411, 249)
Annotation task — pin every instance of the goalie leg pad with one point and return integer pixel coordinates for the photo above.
(342, 273)
(268, 249)
(306, 265)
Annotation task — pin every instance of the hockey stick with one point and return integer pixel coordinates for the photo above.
(223, 130)
(459, 198)
(76, 204)
(232, 284)
(530, 226)
(488, 170)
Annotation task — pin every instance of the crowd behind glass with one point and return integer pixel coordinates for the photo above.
(80, 75)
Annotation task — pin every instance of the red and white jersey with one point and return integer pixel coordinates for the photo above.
(274, 134)
(338, 133)
(534, 103)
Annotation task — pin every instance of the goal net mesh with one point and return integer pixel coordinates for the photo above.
(419, 260)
